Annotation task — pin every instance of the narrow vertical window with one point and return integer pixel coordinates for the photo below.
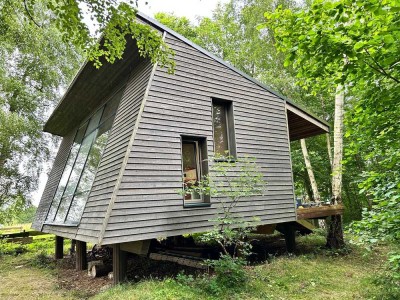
(194, 167)
(223, 127)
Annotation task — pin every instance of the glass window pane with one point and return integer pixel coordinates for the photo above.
(63, 208)
(79, 164)
(94, 121)
(77, 206)
(78, 176)
(94, 157)
(191, 168)
(111, 107)
(66, 173)
(221, 146)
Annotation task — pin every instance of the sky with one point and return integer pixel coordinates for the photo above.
(192, 9)
(187, 8)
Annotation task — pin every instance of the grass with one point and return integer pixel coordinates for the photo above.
(313, 273)
(317, 274)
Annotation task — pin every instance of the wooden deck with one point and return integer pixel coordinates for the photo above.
(319, 212)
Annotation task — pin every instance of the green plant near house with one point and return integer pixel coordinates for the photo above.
(229, 181)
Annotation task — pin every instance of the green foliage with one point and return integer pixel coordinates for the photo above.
(356, 43)
(181, 25)
(113, 21)
(230, 272)
(26, 215)
(230, 180)
(35, 65)
(42, 261)
(11, 248)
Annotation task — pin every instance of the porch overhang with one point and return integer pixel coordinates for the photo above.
(302, 124)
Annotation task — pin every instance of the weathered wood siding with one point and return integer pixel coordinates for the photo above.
(111, 162)
(52, 182)
(147, 203)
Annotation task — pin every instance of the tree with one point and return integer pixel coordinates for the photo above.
(366, 35)
(230, 230)
(34, 65)
(113, 22)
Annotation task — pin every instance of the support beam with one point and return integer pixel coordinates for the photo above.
(59, 247)
(81, 260)
(290, 239)
(119, 264)
(289, 231)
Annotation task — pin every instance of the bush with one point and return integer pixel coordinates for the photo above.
(42, 260)
(229, 271)
(7, 248)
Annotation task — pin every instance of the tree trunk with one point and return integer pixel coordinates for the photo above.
(310, 172)
(328, 145)
(314, 186)
(335, 232)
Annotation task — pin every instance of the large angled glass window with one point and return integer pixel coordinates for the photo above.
(81, 166)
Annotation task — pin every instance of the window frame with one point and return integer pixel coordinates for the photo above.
(230, 128)
(85, 124)
(202, 166)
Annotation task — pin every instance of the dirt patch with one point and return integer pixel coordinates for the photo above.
(79, 282)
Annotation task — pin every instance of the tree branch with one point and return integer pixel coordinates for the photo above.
(29, 15)
(379, 68)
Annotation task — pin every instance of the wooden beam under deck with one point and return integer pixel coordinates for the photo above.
(319, 212)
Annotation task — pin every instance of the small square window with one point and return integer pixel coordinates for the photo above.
(194, 168)
(223, 129)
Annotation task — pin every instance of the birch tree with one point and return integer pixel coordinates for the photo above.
(335, 232)
(310, 171)
(367, 33)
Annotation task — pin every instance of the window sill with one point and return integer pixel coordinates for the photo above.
(62, 224)
(195, 205)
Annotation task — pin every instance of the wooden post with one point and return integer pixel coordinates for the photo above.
(81, 261)
(59, 247)
(290, 238)
(119, 264)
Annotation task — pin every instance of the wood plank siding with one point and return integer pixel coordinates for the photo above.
(111, 162)
(135, 191)
(52, 182)
(147, 203)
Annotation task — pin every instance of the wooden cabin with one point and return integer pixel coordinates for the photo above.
(131, 131)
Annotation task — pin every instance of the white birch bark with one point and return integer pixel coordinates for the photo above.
(338, 146)
(310, 172)
(328, 145)
(314, 186)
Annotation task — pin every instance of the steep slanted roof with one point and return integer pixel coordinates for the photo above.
(61, 121)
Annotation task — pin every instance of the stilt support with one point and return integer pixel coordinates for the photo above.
(81, 260)
(59, 245)
(289, 231)
(119, 264)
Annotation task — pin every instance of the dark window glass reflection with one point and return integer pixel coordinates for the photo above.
(221, 144)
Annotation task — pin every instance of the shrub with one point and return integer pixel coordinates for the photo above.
(229, 271)
(7, 248)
